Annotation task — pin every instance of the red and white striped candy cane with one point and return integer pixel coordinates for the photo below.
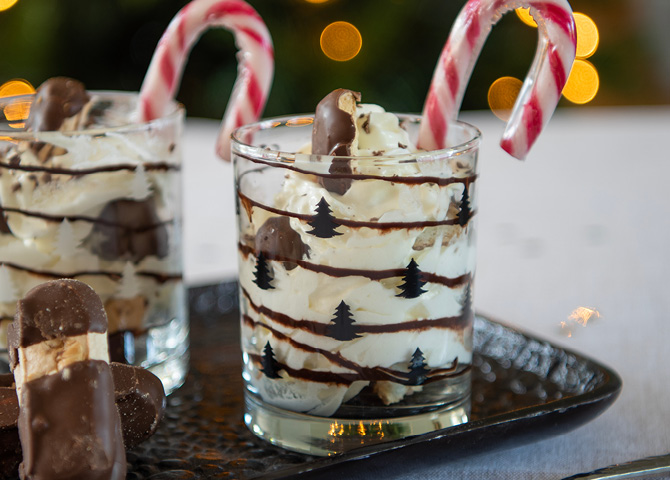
(541, 90)
(255, 63)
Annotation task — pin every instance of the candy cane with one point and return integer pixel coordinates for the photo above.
(543, 85)
(254, 72)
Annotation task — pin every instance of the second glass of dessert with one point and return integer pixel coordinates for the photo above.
(357, 258)
(88, 192)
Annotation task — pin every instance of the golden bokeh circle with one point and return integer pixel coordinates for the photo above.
(502, 95)
(7, 4)
(16, 87)
(17, 111)
(583, 82)
(525, 16)
(587, 35)
(341, 41)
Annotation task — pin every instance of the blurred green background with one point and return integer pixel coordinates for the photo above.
(108, 45)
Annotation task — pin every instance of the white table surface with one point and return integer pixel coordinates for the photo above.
(584, 221)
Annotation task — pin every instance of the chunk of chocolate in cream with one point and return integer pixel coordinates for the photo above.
(69, 426)
(56, 99)
(129, 230)
(334, 133)
(276, 239)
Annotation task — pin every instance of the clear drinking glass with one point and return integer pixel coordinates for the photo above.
(102, 205)
(355, 287)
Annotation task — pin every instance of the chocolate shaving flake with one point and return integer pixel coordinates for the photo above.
(377, 153)
(401, 145)
(16, 186)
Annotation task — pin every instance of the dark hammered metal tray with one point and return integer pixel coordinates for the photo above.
(523, 390)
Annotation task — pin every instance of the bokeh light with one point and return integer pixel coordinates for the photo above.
(502, 95)
(16, 112)
(587, 35)
(7, 4)
(316, 1)
(526, 17)
(341, 41)
(583, 82)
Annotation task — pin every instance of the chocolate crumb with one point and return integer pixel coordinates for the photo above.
(46, 177)
(401, 145)
(171, 148)
(377, 153)
(366, 124)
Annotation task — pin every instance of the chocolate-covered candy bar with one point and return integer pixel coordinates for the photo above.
(69, 426)
(139, 397)
(10, 448)
(334, 133)
(56, 99)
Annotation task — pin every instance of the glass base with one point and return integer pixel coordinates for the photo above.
(325, 436)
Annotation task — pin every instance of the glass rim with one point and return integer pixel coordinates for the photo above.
(302, 120)
(177, 111)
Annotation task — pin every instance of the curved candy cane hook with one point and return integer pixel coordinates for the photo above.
(541, 90)
(255, 63)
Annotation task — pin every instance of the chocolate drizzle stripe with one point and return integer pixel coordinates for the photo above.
(373, 374)
(248, 202)
(84, 218)
(458, 322)
(158, 276)
(419, 180)
(164, 166)
(352, 272)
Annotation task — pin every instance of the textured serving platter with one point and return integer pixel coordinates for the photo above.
(524, 389)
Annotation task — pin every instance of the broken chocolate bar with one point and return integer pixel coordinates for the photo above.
(10, 447)
(68, 424)
(334, 133)
(140, 398)
(57, 99)
(138, 394)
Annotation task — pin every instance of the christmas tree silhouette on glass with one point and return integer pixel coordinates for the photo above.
(342, 325)
(413, 283)
(464, 212)
(323, 225)
(269, 363)
(262, 273)
(417, 368)
(467, 301)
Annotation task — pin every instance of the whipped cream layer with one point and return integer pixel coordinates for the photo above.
(100, 205)
(353, 269)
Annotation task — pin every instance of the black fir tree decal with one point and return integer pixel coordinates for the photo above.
(269, 363)
(417, 368)
(323, 225)
(467, 301)
(342, 325)
(413, 283)
(464, 212)
(262, 273)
